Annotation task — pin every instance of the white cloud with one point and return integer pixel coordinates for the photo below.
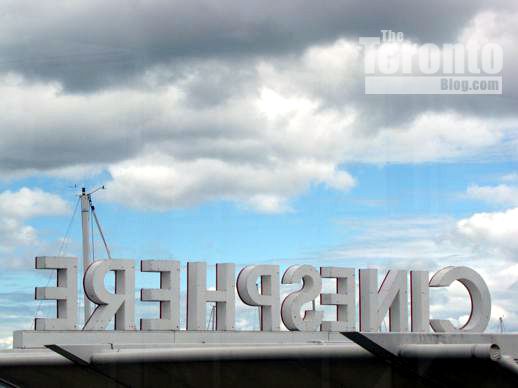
(266, 203)
(419, 243)
(513, 177)
(431, 136)
(257, 131)
(483, 242)
(259, 147)
(502, 194)
(15, 209)
(494, 231)
(6, 342)
(27, 203)
(161, 182)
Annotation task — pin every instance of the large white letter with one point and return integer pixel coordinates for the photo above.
(168, 294)
(198, 296)
(65, 293)
(311, 287)
(392, 297)
(478, 292)
(419, 301)
(268, 300)
(343, 299)
(121, 304)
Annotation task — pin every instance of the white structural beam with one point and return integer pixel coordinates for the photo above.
(38, 339)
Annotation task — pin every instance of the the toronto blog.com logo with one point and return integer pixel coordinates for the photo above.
(393, 65)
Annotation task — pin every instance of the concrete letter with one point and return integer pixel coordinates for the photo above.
(65, 293)
(121, 304)
(168, 294)
(311, 287)
(268, 300)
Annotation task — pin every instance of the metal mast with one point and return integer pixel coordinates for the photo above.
(86, 208)
(85, 218)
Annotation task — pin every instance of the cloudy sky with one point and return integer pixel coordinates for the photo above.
(240, 132)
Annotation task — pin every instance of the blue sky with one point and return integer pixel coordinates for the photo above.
(225, 231)
(319, 229)
(243, 133)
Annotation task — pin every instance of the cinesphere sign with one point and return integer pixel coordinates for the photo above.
(375, 302)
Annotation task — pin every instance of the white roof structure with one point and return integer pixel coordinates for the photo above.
(258, 359)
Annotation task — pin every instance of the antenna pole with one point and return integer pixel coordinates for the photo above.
(94, 214)
(85, 215)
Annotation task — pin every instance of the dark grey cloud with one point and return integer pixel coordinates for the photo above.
(91, 45)
(251, 102)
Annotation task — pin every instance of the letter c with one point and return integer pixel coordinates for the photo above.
(478, 292)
